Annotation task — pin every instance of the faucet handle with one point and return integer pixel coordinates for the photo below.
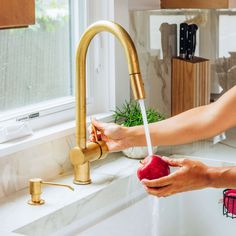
(95, 132)
(35, 189)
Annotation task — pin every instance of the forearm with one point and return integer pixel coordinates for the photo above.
(195, 124)
(222, 177)
(186, 127)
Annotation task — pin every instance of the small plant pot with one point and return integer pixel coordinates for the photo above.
(137, 152)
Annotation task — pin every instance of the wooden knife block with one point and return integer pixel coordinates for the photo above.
(190, 84)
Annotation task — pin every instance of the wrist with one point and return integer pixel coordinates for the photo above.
(133, 136)
(215, 177)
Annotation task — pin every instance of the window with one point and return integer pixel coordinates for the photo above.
(37, 65)
(35, 61)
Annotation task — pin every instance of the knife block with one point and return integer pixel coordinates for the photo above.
(190, 84)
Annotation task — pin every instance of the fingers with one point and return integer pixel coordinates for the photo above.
(174, 162)
(90, 129)
(157, 183)
(93, 139)
(99, 125)
(104, 138)
(161, 192)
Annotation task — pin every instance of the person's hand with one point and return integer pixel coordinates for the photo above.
(114, 135)
(191, 175)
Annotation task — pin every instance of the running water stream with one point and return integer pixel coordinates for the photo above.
(154, 224)
(145, 123)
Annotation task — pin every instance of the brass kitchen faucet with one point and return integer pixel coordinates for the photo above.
(85, 152)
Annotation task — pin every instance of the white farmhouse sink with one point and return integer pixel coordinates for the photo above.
(191, 214)
(121, 207)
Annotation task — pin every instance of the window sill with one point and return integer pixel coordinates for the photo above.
(46, 135)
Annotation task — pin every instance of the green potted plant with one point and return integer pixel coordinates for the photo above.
(130, 115)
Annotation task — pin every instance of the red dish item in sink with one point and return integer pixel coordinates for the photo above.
(230, 200)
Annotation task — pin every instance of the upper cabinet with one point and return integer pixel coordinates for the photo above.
(16, 13)
(144, 4)
(171, 4)
(209, 4)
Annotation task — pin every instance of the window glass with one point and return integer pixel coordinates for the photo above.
(35, 61)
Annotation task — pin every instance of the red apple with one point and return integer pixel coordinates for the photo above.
(153, 167)
(230, 201)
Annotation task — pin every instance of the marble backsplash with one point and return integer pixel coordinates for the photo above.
(156, 72)
(155, 35)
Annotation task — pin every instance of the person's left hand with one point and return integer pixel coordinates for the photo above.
(191, 175)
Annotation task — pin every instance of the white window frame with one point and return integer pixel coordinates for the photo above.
(50, 112)
(62, 109)
(115, 79)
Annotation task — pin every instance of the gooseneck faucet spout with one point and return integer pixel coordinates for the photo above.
(84, 152)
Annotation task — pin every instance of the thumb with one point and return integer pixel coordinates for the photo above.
(173, 162)
(98, 125)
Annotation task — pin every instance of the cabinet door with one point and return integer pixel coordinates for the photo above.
(144, 4)
(16, 13)
(213, 4)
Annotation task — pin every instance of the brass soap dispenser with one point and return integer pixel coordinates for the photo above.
(35, 189)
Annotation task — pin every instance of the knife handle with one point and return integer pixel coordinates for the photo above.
(190, 42)
(195, 28)
(183, 40)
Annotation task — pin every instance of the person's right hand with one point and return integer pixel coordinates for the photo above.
(114, 135)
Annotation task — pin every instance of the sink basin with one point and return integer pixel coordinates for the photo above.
(136, 219)
(123, 208)
(195, 214)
